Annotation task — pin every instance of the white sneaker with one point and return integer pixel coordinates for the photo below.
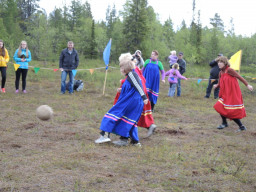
(137, 144)
(151, 130)
(103, 139)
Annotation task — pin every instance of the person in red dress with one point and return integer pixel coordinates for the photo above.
(146, 119)
(230, 104)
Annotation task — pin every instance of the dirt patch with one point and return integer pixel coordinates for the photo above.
(15, 146)
(30, 125)
(172, 132)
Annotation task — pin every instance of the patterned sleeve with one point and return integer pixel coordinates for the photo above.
(134, 79)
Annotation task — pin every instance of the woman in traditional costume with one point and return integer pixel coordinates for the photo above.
(150, 71)
(230, 104)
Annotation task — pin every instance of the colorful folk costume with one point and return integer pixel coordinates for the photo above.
(146, 118)
(230, 104)
(122, 118)
(150, 71)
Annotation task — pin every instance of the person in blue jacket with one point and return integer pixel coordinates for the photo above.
(69, 61)
(22, 57)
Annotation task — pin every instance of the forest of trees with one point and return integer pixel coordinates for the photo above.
(137, 27)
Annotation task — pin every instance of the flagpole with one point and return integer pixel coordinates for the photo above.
(240, 61)
(106, 57)
(106, 74)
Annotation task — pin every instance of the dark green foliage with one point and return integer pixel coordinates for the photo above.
(137, 27)
(93, 50)
(136, 24)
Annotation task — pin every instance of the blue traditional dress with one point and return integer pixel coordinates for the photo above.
(152, 76)
(123, 117)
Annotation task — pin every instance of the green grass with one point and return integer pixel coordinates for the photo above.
(186, 153)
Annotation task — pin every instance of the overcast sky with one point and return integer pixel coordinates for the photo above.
(243, 12)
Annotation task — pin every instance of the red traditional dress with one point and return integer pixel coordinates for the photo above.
(146, 118)
(230, 103)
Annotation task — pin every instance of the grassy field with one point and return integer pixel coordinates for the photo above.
(186, 153)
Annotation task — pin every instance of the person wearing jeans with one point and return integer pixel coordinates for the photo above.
(69, 61)
(174, 76)
(22, 57)
(63, 81)
(182, 69)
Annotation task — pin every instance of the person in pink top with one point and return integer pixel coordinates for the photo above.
(174, 75)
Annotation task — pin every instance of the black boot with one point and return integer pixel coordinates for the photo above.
(241, 128)
(222, 126)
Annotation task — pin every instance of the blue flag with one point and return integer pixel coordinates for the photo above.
(199, 80)
(74, 72)
(106, 54)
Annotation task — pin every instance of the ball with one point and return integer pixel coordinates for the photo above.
(44, 112)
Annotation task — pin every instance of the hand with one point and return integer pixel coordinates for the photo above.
(145, 101)
(250, 87)
(186, 79)
(163, 81)
(119, 90)
(61, 69)
(215, 86)
(22, 60)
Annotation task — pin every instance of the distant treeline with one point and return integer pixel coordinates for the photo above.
(137, 27)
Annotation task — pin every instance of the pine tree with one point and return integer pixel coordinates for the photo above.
(93, 50)
(217, 22)
(136, 24)
(26, 9)
(168, 34)
(110, 20)
(218, 26)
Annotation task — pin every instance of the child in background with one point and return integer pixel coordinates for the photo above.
(174, 75)
(122, 118)
(173, 58)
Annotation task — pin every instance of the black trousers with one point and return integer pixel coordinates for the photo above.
(22, 72)
(237, 121)
(209, 89)
(3, 72)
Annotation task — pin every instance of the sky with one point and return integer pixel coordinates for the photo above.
(243, 12)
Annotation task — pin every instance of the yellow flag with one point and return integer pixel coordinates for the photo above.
(16, 66)
(235, 60)
(91, 71)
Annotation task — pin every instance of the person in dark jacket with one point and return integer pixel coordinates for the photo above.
(69, 61)
(214, 78)
(182, 69)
